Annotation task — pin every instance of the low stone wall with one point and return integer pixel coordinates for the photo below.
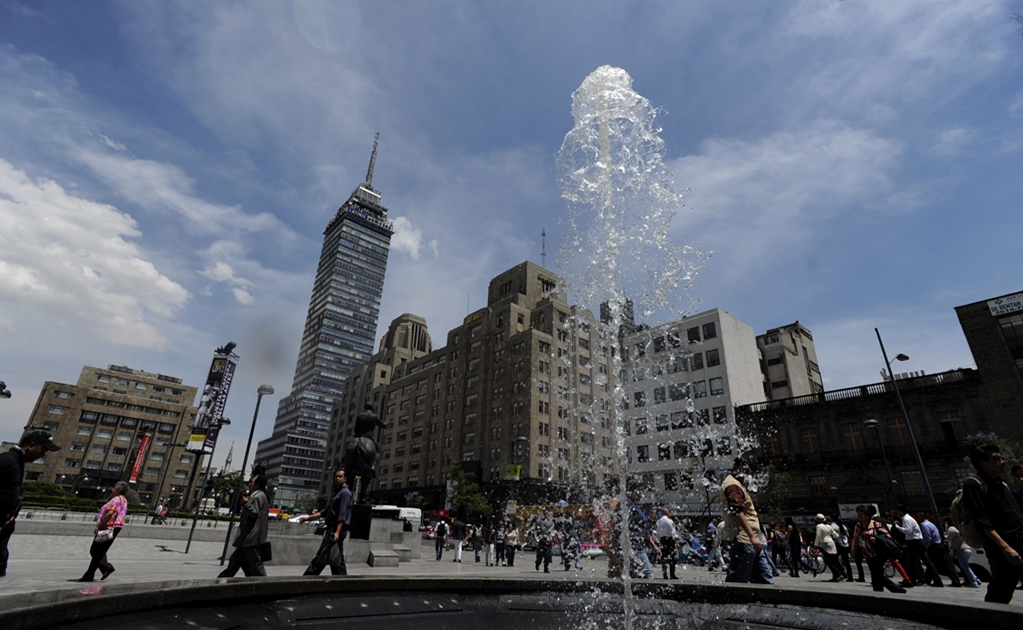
(293, 543)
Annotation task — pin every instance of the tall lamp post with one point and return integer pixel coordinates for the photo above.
(263, 390)
(909, 427)
(871, 423)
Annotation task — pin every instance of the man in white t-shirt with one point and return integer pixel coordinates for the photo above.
(667, 538)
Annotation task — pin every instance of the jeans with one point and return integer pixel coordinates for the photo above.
(439, 546)
(643, 560)
(715, 558)
(5, 535)
(964, 555)
(748, 565)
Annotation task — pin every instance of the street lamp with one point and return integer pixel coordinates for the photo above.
(909, 427)
(871, 423)
(263, 390)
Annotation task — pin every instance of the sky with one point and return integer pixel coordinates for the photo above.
(167, 168)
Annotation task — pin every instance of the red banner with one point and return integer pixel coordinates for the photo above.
(139, 458)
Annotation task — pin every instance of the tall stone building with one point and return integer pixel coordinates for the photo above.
(100, 423)
(519, 391)
(994, 331)
(789, 362)
(682, 381)
(406, 340)
(338, 337)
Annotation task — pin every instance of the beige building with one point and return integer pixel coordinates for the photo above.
(789, 362)
(519, 391)
(99, 423)
(682, 381)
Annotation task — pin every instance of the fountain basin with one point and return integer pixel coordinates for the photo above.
(455, 603)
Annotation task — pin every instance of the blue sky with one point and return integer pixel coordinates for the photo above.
(167, 169)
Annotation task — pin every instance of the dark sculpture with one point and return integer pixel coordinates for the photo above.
(361, 452)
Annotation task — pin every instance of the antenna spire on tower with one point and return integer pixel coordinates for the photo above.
(372, 162)
(543, 247)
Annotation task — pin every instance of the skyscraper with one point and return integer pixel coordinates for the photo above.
(338, 336)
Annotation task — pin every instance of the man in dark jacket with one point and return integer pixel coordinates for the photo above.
(12, 471)
(337, 516)
(252, 529)
(990, 505)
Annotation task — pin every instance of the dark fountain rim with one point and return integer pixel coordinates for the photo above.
(49, 609)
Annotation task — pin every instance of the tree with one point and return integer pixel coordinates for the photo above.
(773, 499)
(466, 496)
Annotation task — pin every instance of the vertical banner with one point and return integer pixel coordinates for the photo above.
(140, 457)
(212, 401)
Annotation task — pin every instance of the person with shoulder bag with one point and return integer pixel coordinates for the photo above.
(871, 541)
(108, 526)
(252, 532)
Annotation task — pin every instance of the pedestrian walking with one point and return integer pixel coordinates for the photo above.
(441, 532)
(714, 547)
(962, 553)
(501, 533)
(747, 562)
(32, 446)
(491, 540)
(842, 544)
(864, 545)
(991, 506)
(795, 546)
(937, 552)
(458, 536)
(511, 545)
(252, 531)
(918, 564)
(477, 541)
(667, 538)
(825, 540)
(108, 526)
(336, 518)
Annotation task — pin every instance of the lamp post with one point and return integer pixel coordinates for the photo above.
(205, 482)
(871, 423)
(909, 427)
(263, 390)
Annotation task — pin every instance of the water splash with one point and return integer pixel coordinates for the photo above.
(616, 250)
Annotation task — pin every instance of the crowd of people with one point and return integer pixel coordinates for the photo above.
(921, 548)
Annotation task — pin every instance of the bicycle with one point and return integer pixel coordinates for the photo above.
(815, 560)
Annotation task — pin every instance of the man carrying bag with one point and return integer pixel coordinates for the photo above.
(337, 517)
(251, 532)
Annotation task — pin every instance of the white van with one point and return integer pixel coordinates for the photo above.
(414, 515)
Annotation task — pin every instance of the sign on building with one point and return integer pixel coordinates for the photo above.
(1006, 305)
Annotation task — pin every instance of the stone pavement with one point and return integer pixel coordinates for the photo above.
(44, 563)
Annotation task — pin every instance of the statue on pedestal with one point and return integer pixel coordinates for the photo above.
(361, 452)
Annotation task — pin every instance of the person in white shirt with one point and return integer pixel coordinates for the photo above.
(667, 537)
(916, 551)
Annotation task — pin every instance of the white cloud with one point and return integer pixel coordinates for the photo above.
(156, 186)
(951, 141)
(749, 197)
(72, 258)
(409, 239)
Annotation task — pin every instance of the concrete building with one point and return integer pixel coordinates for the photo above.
(994, 331)
(681, 382)
(519, 394)
(831, 456)
(100, 422)
(789, 362)
(406, 340)
(338, 337)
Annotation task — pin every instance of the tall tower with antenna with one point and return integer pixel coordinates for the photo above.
(339, 332)
(543, 247)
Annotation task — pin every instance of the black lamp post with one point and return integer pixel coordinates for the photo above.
(909, 427)
(263, 390)
(871, 423)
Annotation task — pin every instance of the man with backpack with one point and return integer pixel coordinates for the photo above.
(442, 535)
(986, 504)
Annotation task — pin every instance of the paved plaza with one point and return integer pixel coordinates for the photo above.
(46, 562)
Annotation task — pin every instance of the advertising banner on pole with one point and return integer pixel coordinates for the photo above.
(212, 401)
(140, 457)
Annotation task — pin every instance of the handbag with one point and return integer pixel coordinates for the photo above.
(104, 535)
(266, 552)
(885, 546)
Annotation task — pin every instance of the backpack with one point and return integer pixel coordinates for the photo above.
(973, 535)
(442, 529)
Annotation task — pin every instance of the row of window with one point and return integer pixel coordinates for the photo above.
(685, 449)
(678, 420)
(123, 382)
(680, 391)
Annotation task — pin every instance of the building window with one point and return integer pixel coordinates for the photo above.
(77, 446)
(640, 398)
(817, 483)
(852, 436)
(72, 463)
(713, 358)
(808, 439)
(663, 451)
(699, 389)
(643, 453)
(717, 386)
(693, 334)
(57, 410)
(710, 331)
(681, 419)
(720, 415)
(698, 361)
(180, 474)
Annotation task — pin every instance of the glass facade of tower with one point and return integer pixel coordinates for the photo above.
(339, 332)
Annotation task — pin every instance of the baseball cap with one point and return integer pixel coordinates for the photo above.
(42, 438)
